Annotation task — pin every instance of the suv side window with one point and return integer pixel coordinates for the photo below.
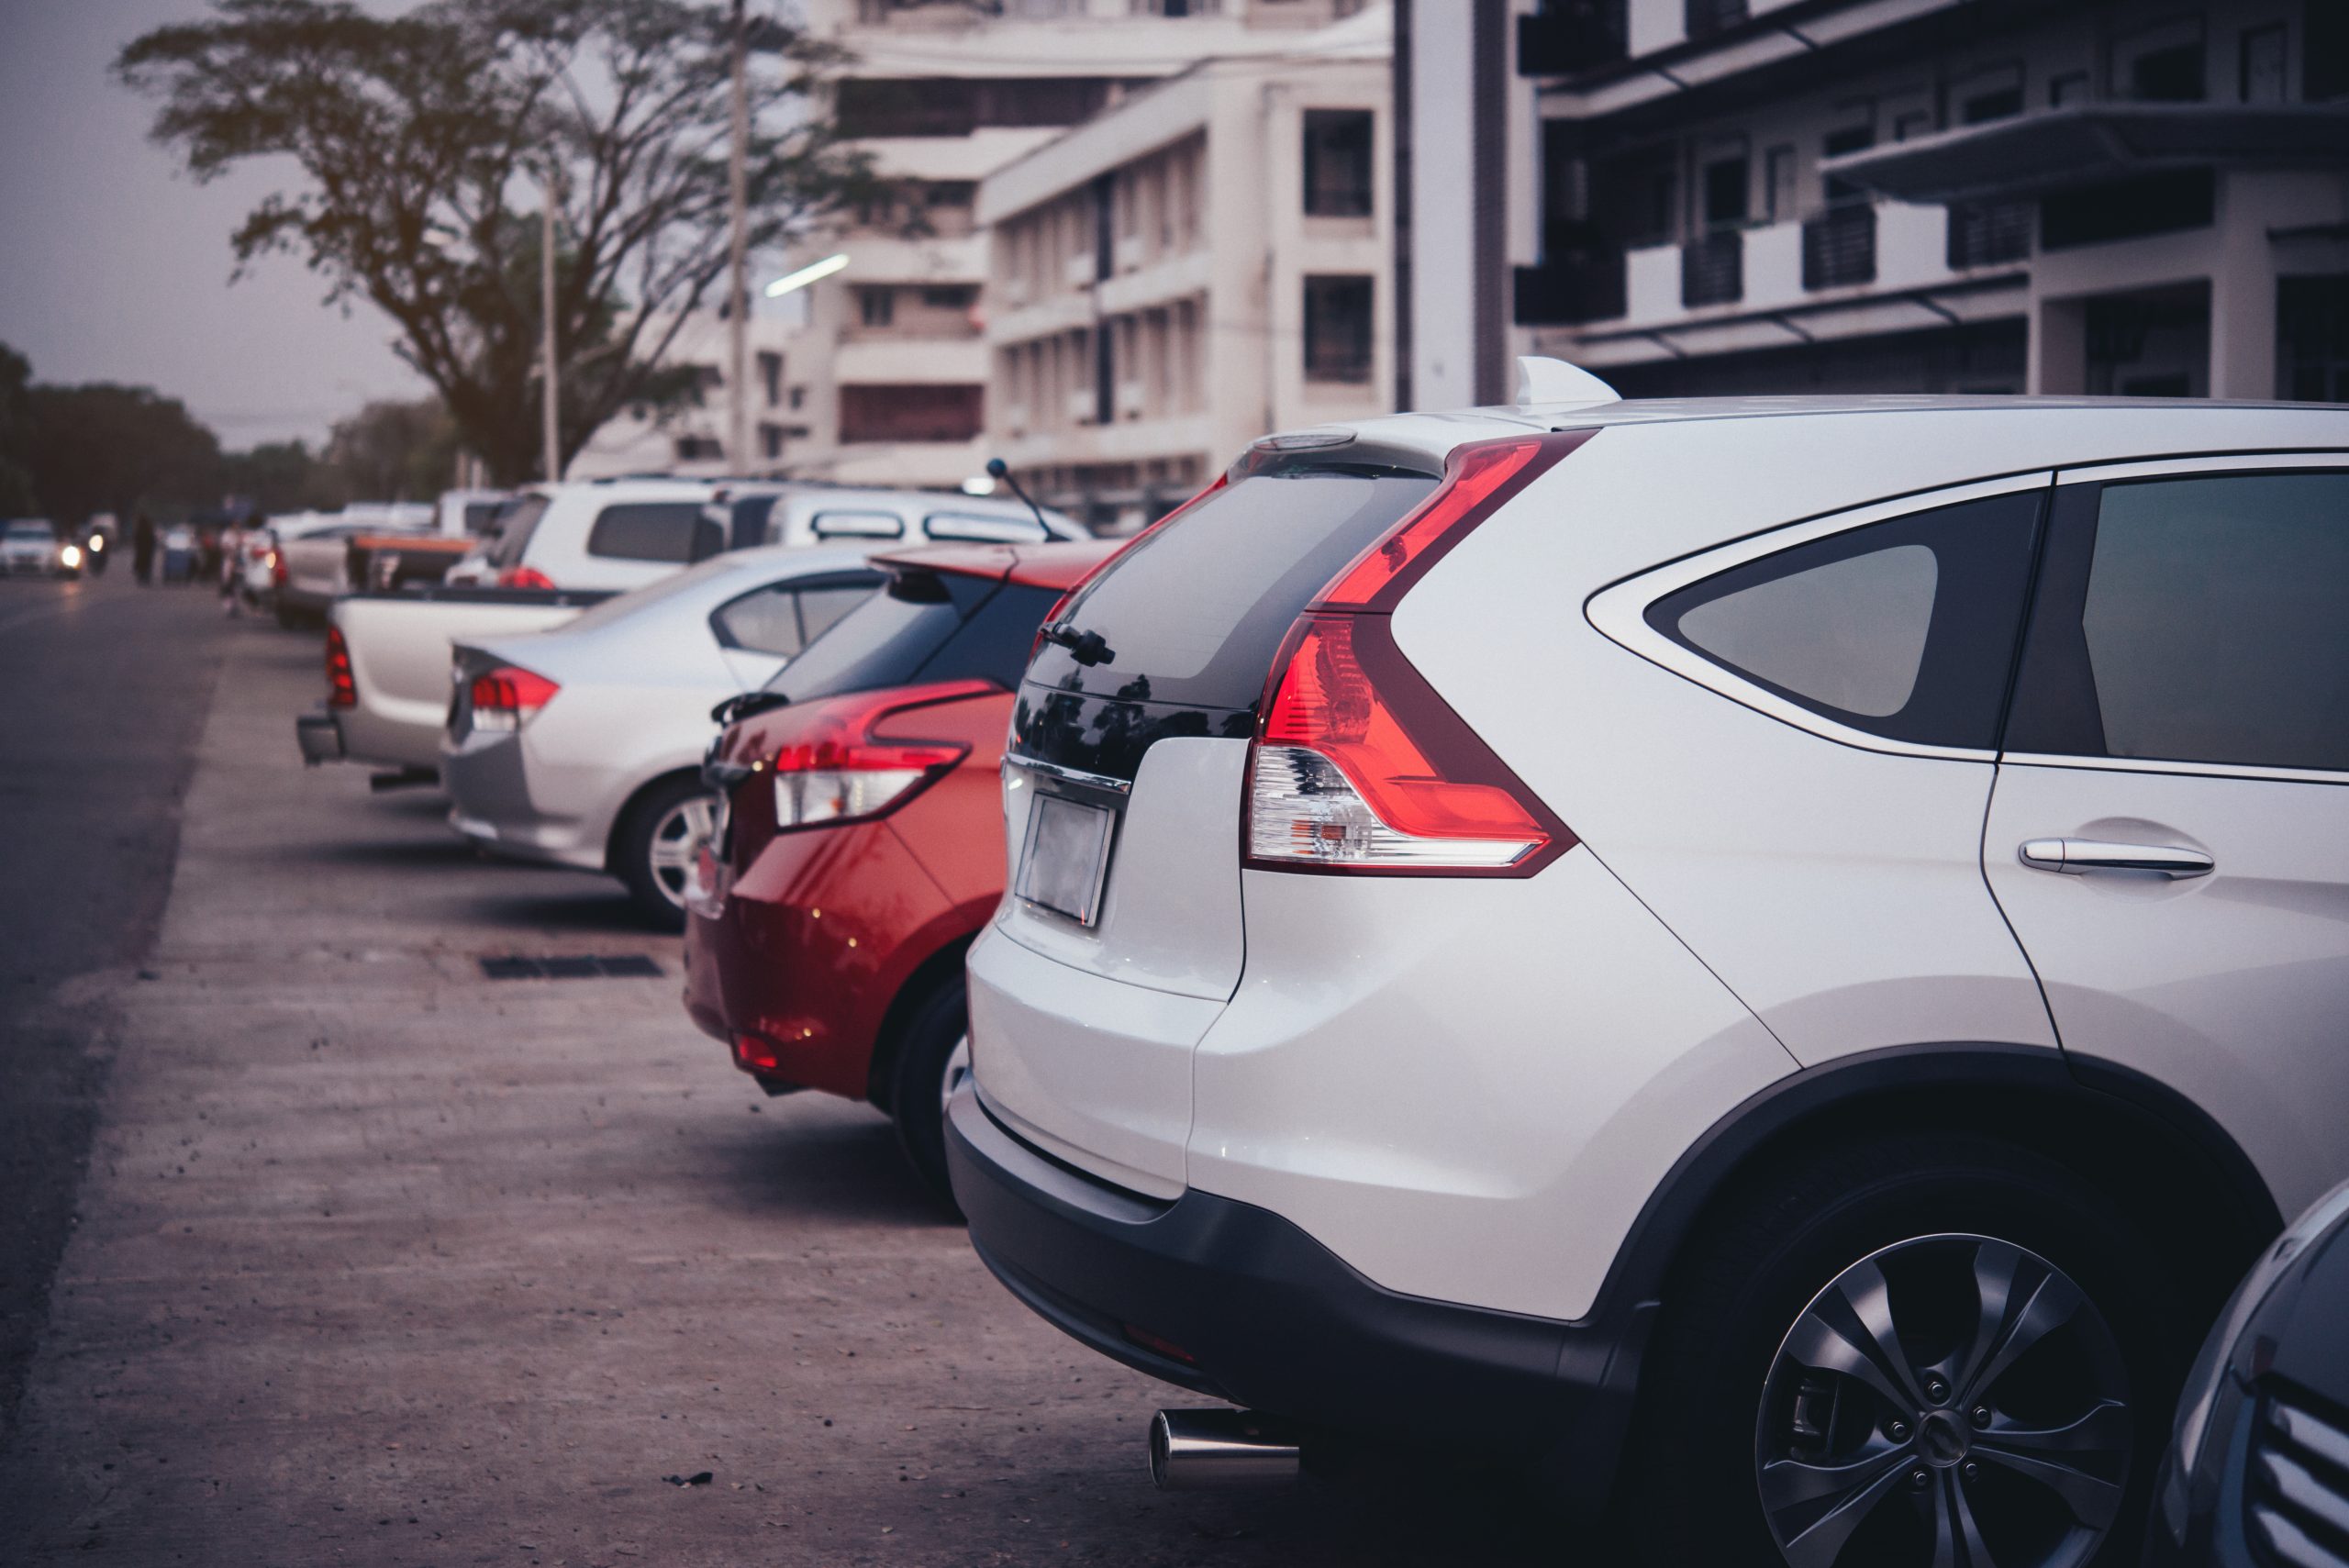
(783, 617)
(2195, 619)
(655, 530)
(1905, 629)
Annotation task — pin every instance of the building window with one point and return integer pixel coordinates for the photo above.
(699, 449)
(770, 376)
(2161, 65)
(1727, 183)
(2070, 88)
(2312, 337)
(1994, 94)
(1337, 329)
(799, 398)
(877, 307)
(1705, 17)
(918, 412)
(2261, 65)
(1778, 185)
(770, 441)
(949, 296)
(1913, 124)
(1337, 162)
(1851, 139)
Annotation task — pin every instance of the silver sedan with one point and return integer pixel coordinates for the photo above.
(582, 746)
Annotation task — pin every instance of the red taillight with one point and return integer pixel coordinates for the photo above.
(508, 698)
(276, 569)
(1358, 764)
(343, 691)
(1060, 605)
(840, 771)
(524, 577)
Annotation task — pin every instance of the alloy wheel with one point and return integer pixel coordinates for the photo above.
(682, 830)
(1953, 1401)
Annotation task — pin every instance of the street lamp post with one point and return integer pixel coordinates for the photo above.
(553, 410)
(738, 302)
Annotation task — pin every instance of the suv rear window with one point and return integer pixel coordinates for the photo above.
(514, 526)
(923, 627)
(1194, 613)
(655, 530)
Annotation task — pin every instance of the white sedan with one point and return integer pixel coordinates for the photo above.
(582, 746)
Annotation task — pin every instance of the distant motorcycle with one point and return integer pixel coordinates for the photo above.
(95, 553)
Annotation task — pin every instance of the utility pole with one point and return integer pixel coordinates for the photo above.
(553, 382)
(737, 295)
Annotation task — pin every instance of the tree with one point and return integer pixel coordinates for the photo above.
(283, 476)
(394, 451)
(426, 141)
(104, 448)
(16, 435)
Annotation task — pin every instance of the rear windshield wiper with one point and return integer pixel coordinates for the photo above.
(735, 709)
(1087, 648)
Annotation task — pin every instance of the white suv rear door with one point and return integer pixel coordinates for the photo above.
(2184, 696)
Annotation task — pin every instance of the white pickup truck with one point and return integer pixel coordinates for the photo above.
(388, 663)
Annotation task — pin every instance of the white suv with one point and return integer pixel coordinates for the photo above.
(1801, 942)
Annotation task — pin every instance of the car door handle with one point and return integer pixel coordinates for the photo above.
(2078, 855)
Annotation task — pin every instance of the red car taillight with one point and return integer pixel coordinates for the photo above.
(842, 771)
(509, 697)
(276, 569)
(1358, 765)
(343, 691)
(524, 577)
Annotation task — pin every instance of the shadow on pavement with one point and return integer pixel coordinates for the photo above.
(829, 1171)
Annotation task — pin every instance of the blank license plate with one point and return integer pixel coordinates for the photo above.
(1067, 852)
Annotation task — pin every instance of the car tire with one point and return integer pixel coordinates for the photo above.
(1927, 1226)
(931, 1052)
(648, 848)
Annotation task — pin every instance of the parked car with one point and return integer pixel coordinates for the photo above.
(2257, 1475)
(582, 745)
(785, 513)
(315, 564)
(605, 533)
(388, 663)
(33, 545)
(1795, 941)
(860, 844)
(180, 548)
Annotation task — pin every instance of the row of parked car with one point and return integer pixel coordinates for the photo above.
(1772, 963)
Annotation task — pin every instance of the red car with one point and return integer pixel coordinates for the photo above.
(860, 841)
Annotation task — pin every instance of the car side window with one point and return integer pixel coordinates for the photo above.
(1905, 629)
(980, 530)
(857, 525)
(766, 622)
(2194, 620)
(819, 607)
(655, 530)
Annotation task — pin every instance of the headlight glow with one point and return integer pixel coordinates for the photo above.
(70, 556)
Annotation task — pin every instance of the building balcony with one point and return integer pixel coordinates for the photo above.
(1839, 247)
(1570, 36)
(1583, 286)
(1712, 270)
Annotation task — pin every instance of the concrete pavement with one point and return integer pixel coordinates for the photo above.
(383, 1261)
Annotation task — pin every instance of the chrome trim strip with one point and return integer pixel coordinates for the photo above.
(2155, 468)
(2188, 770)
(1620, 613)
(1073, 775)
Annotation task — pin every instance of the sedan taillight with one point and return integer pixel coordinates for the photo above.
(342, 690)
(509, 697)
(524, 577)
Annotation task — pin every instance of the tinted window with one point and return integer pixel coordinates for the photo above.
(1905, 629)
(2216, 620)
(515, 527)
(983, 529)
(857, 525)
(1199, 608)
(819, 607)
(655, 530)
(922, 627)
(764, 622)
(482, 516)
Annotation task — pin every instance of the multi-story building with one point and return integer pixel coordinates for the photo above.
(894, 367)
(690, 439)
(1204, 262)
(2127, 196)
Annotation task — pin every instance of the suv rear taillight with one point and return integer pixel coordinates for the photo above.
(342, 690)
(1358, 765)
(509, 697)
(840, 771)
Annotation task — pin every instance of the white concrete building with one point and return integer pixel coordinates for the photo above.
(691, 442)
(893, 369)
(1205, 262)
(2129, 197)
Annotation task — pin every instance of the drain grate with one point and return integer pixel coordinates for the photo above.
(572, 967)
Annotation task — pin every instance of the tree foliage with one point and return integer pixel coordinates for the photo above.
(105, 448)
(426, 140)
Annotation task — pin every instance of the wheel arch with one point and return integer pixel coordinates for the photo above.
(888, 1041)
(2154, 1147)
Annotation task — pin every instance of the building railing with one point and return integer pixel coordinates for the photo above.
(1585, 287)
(1712, 268)
(1839, 247)
(1567, 38)
(1986, 236)
(1705, 17)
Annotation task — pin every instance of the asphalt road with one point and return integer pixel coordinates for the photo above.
(378, 1259)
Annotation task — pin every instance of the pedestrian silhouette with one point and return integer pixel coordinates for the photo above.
(142, 548)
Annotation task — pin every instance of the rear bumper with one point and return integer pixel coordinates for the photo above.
(1271, 1319)
(488, 783)
(319, 734)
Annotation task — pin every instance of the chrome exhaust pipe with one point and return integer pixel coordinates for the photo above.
(1192, 1451)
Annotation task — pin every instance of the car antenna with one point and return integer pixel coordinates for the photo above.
(998, 468)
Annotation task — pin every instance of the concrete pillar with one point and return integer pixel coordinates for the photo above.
(2243, 290)
(2058, 354)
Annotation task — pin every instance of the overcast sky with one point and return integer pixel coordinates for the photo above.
(114, 267)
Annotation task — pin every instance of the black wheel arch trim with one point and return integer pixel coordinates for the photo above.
(2028, 1078)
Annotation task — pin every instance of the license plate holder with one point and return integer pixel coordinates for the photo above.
(1064, 861)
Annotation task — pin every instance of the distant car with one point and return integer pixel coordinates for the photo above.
(2258, 1469)
(618, 534)
(32, 545)
(582, 745)
(813, 514)
(862, 845)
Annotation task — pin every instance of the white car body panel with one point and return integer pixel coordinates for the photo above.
(399, 665)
